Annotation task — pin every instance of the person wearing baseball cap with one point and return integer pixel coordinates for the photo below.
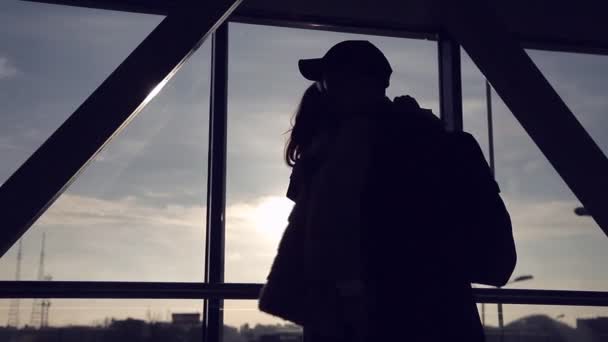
(352, 73)
(349, 57)
(374, 207)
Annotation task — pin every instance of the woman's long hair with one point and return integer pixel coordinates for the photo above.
(306, 123)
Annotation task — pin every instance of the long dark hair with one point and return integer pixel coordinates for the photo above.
(306, 123)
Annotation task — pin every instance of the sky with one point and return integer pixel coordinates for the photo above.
(137, 213)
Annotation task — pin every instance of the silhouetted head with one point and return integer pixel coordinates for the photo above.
(352, 73)
(309, 119)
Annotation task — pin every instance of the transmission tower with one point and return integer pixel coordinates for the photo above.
(45, 305)
(13, 312)
(40, 307)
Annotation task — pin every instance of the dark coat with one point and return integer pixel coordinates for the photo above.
(419, 250)
(319, 261)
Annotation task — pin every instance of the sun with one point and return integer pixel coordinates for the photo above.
(271, 215)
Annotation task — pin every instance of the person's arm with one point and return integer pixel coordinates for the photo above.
(407, 105)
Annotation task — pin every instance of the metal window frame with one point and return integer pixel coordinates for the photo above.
(160, 7)
(247, 291)
(103, 114)
(580, 163)
(216, 183)
(106, 111)
(215, 290)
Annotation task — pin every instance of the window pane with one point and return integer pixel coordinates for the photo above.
(581, 81)
(546, 323)
(264, 90)
(561, 250)
(243, 322)
(137, 213)
(52, 58)
(474, 107)
(117, 320)
(521, 323)
(101, 320)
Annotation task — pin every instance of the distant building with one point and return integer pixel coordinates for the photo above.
(186, 318)
(281, 337)
(272, 333)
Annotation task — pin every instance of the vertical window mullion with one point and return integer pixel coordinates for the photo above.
(450, 83)
(216, 183)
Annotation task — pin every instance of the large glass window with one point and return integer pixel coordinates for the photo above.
(581, 81)
(264, 90)
(51, 59)
(117, 320)
(558, 248)
(102, 320)
(66, 320)
(546, 323)
(137, 213)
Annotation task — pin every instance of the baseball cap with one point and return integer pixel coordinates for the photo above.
(350, 56)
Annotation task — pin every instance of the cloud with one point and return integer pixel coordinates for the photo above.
(7, 70)
(83, 211)
(7, 143)
(267, 215)
(253, 230)
(123, 149)
(543, 219)
(129, 239)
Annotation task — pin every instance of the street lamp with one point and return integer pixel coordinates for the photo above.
(499, 305)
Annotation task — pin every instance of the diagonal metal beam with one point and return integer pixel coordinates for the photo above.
(158, 7)
(52, 168)
(533, 101)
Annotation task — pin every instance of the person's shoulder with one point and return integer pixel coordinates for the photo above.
(421, 122)
(463, 141)
(462, 136)
(421, 128)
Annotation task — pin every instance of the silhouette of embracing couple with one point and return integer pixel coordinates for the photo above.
(394, 215)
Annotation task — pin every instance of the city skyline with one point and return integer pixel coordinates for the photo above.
(186, 327)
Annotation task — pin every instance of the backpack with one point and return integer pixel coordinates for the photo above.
(480, 210)
(445, 179)
(436, 223)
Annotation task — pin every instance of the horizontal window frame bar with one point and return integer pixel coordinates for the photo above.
(332, 25)
(311, 23)
(157, 7)
(127, 290)
(383, 30)
(541, 297)
(249, 291)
